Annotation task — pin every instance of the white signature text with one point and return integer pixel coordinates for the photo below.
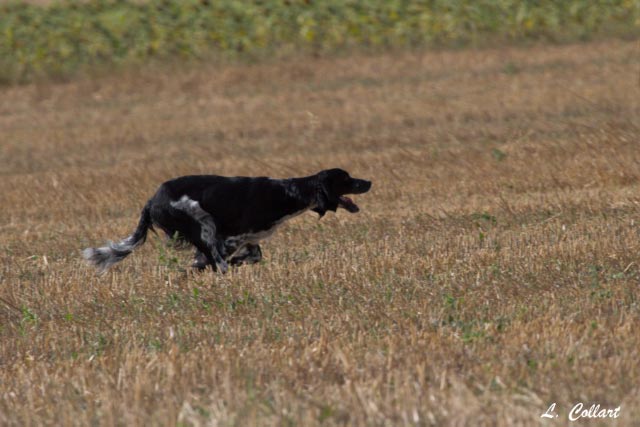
(579, 410)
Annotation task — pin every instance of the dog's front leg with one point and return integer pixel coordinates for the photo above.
(248, 254)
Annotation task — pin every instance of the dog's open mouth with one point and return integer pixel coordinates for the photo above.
(348, 204)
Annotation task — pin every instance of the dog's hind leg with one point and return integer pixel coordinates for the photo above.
(201, 231)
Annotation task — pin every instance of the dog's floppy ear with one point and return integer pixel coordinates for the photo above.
(322, 199)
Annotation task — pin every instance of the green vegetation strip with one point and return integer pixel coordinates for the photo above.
(63, 37)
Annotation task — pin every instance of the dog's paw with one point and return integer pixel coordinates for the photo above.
(199, 265)
(200, 261)
(223, 267)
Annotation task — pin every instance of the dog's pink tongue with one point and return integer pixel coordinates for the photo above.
(348, 204)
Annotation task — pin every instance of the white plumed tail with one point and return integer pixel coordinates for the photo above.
(105, 256)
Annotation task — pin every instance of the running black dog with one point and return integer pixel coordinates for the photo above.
(225, 218)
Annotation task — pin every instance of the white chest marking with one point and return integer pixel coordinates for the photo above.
(255, 237)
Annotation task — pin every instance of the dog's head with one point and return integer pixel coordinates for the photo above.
(333, 185)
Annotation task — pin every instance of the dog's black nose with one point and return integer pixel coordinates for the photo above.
(362, 186)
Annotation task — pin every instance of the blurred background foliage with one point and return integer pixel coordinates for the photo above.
(58, 39)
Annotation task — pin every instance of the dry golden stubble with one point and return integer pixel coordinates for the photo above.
(491, 272)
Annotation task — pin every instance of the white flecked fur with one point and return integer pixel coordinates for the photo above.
(105, 256)
(208, 227)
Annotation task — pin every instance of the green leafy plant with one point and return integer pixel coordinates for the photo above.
(64, 37)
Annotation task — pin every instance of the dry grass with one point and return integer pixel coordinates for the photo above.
(492, 271)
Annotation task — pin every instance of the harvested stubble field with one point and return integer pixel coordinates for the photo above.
(492, 271)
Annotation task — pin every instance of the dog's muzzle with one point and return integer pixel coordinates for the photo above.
(359, 186)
